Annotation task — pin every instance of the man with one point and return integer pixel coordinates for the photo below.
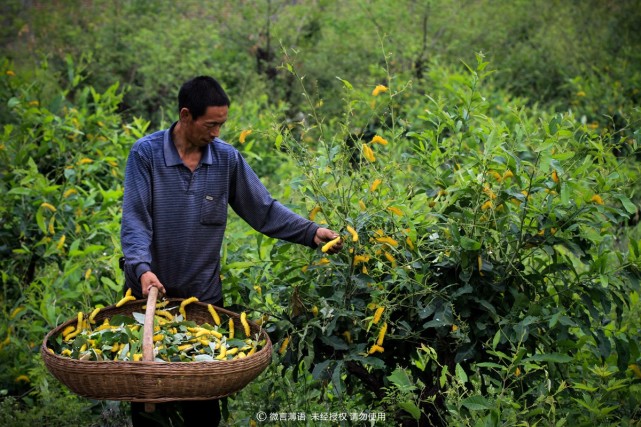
(178, 184)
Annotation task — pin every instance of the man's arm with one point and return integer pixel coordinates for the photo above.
(137, 226)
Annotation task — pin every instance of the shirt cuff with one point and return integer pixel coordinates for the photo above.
(141, 269)
(312, 230)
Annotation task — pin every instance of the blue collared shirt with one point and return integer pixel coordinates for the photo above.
(173, 219)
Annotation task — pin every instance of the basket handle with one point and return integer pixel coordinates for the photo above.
(148, 335)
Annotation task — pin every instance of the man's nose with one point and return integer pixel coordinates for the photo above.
(214, 132)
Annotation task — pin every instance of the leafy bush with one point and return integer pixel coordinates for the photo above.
(491, 249)
(62, 169)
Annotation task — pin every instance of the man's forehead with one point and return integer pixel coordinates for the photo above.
(216, 114)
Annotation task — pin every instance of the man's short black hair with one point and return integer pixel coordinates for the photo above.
(199, 93)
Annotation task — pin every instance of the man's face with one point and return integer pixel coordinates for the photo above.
(205, 128)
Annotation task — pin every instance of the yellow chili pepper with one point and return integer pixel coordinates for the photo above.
(184, 304)
(379, 140)
(243, 135)
(387, 240)
(327, 246)
(164, 313)
(376, 349)
(48, 206)
(381, 334)
(379, 89)
(204, 331)
(78, 329)
(93, 315)
(243, 321)
(66, 331)
(378, 314)
(375, 185)
(214, 314)
(283, 346)
(125, 300)
(368, 153)
(395, 210)
(231, 328)
(360, 258)
(390, 258)
(353, 232)
(223, 353)
(597, 199)
(312, 214)
(408, 240)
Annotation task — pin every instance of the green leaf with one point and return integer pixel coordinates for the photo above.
(411, 408)
(554, 123)
(443, 378)
(336, 378)
(552, 357)
(347, 84)
(239, 265)
(496, 339)
(563, 155)
(321, 370)
(627, 204)
(470, 244)
(489, 365)
(374, 362)
(476, 403)
(335, 342)
(401, 380)
(460, 373)
(40, 220)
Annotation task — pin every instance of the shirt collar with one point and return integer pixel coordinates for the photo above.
(172, 158)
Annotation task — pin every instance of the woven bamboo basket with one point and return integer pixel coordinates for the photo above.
(150, 381)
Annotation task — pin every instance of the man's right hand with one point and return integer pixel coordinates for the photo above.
(149, 280)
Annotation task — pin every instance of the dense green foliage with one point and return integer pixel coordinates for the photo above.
(492, 179)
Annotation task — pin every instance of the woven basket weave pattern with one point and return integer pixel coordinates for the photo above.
(157, 381)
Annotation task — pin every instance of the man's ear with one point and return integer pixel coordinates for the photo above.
(184, 114)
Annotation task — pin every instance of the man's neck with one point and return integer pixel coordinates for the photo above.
(190, 154)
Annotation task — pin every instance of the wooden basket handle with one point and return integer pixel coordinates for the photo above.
(148, 334)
